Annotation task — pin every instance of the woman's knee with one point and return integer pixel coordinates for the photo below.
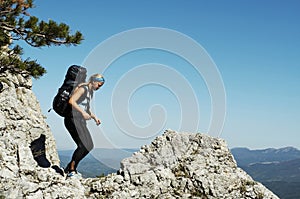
(88, 146)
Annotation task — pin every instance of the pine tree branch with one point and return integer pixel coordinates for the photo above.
(16, 25)
(22, 34)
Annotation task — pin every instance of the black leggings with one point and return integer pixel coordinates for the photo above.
(81, 136)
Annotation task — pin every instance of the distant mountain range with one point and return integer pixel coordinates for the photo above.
(277, 169)
(244, 156)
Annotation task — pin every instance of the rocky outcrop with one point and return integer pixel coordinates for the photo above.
(21, 122)
(180, 165)
(174, 165)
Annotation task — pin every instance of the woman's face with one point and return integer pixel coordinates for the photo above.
(96, 85)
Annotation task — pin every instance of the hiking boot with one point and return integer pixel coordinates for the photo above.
(67, 169)
(74, 175)
(79, 174)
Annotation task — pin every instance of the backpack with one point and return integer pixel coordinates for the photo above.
(75, 76)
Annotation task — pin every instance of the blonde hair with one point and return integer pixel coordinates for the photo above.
(96, 76)
(91, 79)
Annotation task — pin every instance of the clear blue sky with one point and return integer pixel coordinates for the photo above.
(254, 44)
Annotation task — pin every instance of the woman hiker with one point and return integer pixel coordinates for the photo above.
(76, 121)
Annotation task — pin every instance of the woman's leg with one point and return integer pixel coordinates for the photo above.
(81, 136)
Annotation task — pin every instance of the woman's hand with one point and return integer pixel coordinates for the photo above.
(98, 122)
